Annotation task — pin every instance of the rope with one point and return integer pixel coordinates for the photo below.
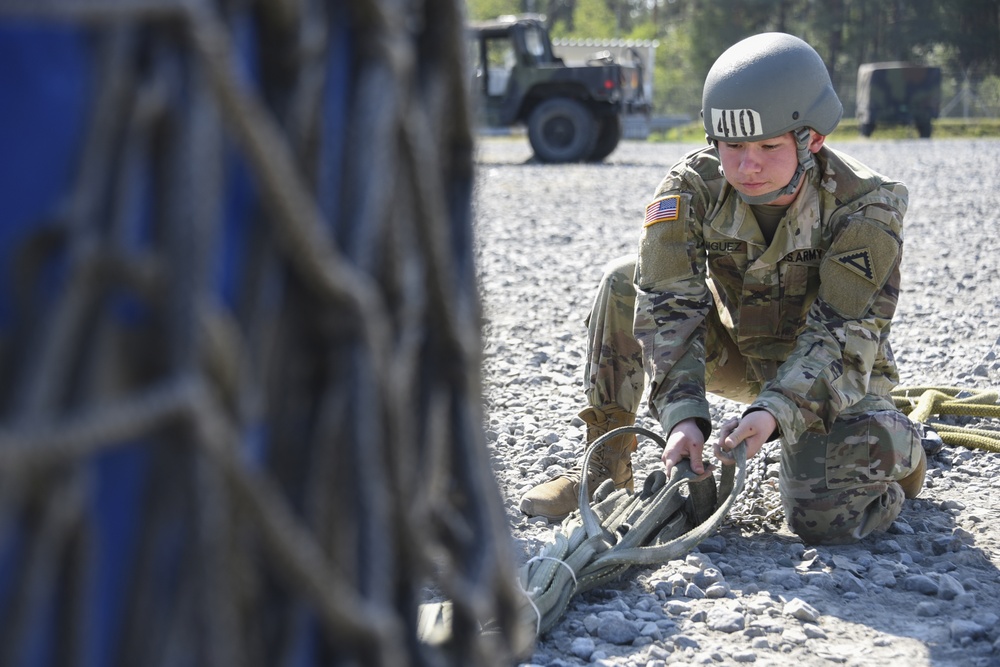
(922, 403)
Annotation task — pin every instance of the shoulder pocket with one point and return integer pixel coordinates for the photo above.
(664, 252)
(856, 268)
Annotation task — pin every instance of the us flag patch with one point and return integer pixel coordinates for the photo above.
(662, 210)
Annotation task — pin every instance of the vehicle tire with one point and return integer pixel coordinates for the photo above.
(923, 127)
(562, 130)
(608, 136)
(867, 129)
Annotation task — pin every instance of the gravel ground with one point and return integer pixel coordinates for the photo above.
(927, 593)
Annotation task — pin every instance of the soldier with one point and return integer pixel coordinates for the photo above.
(768, 273)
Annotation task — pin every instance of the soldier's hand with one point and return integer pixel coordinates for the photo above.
(755, 428)
(686, 441)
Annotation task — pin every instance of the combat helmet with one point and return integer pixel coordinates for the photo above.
(765, 86)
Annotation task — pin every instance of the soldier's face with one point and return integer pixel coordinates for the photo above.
(758, 167)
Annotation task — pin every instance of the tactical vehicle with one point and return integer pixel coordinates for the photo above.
(571, 113)
(898, 93)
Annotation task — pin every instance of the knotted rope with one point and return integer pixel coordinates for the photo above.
(922, 403)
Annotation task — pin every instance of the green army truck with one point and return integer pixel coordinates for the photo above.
(898, 93)
(571, 113)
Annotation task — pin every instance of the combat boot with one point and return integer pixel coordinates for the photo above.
(558, 497)
(914, 482)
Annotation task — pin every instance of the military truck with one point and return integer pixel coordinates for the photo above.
(898, 93)
(572, 114)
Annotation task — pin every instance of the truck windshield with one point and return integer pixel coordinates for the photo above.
(534, 43)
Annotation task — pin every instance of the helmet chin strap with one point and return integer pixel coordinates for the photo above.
(806, 162)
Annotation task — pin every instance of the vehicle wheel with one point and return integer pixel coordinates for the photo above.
(923, 127)
(867, 129)
(562, 130)
(607, 137)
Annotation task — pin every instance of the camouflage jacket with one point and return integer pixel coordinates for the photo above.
(810, 312)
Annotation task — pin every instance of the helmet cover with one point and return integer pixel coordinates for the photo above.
(767, 85)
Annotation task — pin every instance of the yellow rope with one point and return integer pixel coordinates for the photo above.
(923, 402)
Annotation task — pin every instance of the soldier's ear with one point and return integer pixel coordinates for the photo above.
(816, 141)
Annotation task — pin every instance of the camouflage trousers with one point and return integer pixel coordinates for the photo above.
(836, 487)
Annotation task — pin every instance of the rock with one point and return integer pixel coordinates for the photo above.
(813, 631)
(705, 578)
(759, 604)
(582, 647)
(694, 592)
(652, 630)
(888, 547)
(803, 611)
(949, 587)
(713, 545)
(823, 580)
(882, 577)
(987, 619)
(617, 631)
(901, 528)
(966, 600)
(678, 607)
(961, 629)
(794, 635)
(848, 582)
(698, 560)
(786, 577)
(716, 591)
(725, 620)
(920, 583)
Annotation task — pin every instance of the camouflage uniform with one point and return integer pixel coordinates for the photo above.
(798, 328)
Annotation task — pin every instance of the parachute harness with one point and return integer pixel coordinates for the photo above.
(601, 541)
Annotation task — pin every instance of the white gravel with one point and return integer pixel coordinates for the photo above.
(927, 593)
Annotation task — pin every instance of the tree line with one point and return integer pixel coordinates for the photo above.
(962, 37)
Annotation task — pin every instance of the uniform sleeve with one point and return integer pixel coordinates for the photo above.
(830, 367)
(672, 300)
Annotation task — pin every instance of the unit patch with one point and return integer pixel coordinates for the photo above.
(859, 261)
(858, 264)
(663, 210)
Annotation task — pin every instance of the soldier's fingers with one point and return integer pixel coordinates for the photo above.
(738, 435)
(673, 455)
(668, 460)
(727, 426)
(724, 455)
(694, 453)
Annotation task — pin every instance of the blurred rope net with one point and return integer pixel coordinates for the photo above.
(241, 404)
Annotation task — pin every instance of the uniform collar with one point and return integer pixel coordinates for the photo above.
(735, 219)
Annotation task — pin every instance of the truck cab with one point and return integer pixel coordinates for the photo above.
(571, 113)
